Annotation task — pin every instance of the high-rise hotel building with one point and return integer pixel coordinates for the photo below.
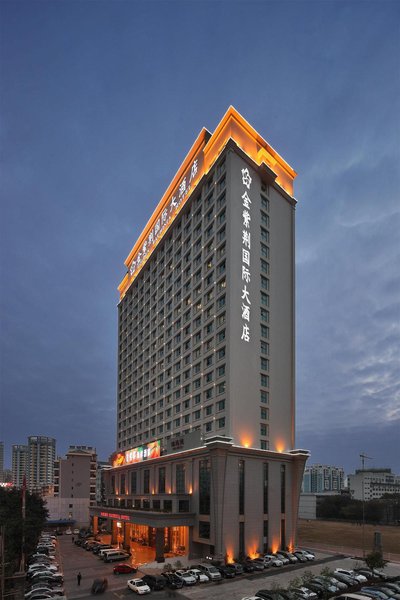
(206, 460)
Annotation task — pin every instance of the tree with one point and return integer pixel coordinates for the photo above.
(11, 519)
(375, 560)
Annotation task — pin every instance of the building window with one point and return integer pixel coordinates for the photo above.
(183, 506)
(264, 331)
(283, 534)
(133, 482)
(283, 488)
(264, 397)
(264, 364)
(204, 487)
(180, 479)
(146, 481)
(265, 537)
(168, 505)
(264, 380)
(241, 539)
(241, 487)
(161, 480)
(123, 488)
(265, 489)
(204, 530)
(264, 349)
(221, 423)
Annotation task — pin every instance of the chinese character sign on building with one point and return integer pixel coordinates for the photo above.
(134, 455)
(168, 213)
(246, 255)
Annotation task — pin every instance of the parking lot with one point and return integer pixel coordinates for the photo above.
(74, 559)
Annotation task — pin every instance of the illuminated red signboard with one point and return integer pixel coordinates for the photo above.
(135, 455)
(114, 516)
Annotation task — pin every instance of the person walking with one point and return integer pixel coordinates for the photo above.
(78, 578)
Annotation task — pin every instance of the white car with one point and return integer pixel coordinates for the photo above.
(186, 577)
(199, 575)
(272, 560)
(251, 598)
(68, 531)
(44, 590)
(76, 532)
(138, 586)
(360, 578)
(42, 567)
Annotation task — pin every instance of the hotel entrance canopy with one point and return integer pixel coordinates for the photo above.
(145, 517)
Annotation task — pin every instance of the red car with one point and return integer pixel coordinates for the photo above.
(124, 568)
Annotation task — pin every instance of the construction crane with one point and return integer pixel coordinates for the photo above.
(363, 456)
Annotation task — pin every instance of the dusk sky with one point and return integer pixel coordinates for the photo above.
(100, 102)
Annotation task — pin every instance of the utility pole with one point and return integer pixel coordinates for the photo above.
(363, 456)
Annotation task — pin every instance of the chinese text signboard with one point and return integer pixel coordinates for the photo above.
(246, 256)
(135, 455)
(169, 212)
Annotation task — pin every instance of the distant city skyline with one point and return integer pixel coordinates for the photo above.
(93, 120)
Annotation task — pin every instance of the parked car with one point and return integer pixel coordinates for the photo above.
(186, 576)
(211, 571)
(374, 593)
(248, 566)
(99, 586)
(75, 531)
(300, 557)
(304, 593)
(116, 556)
(124, 568)
(347, 579)
(284, 559)
(138, 586)
(36, 568)
(272, 595)
(330, 587)
(43, 572)
(155, 582)
(238, 568)
(272, 560)
(227, 572)
(199, 575)
(173, 581)
(68, 531)
(308, 555)
(358, 576)
(97, 549)
(54, 591)
(260, 563)
(288, 555)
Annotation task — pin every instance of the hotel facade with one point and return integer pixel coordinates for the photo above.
(206, 461)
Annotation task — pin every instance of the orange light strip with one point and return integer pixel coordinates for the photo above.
(202, 155)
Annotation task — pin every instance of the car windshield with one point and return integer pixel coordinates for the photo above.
(140, 583)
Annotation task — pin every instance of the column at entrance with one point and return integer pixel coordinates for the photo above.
(114, 532)
(160, 545)
(95, 525)
(127, 536)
